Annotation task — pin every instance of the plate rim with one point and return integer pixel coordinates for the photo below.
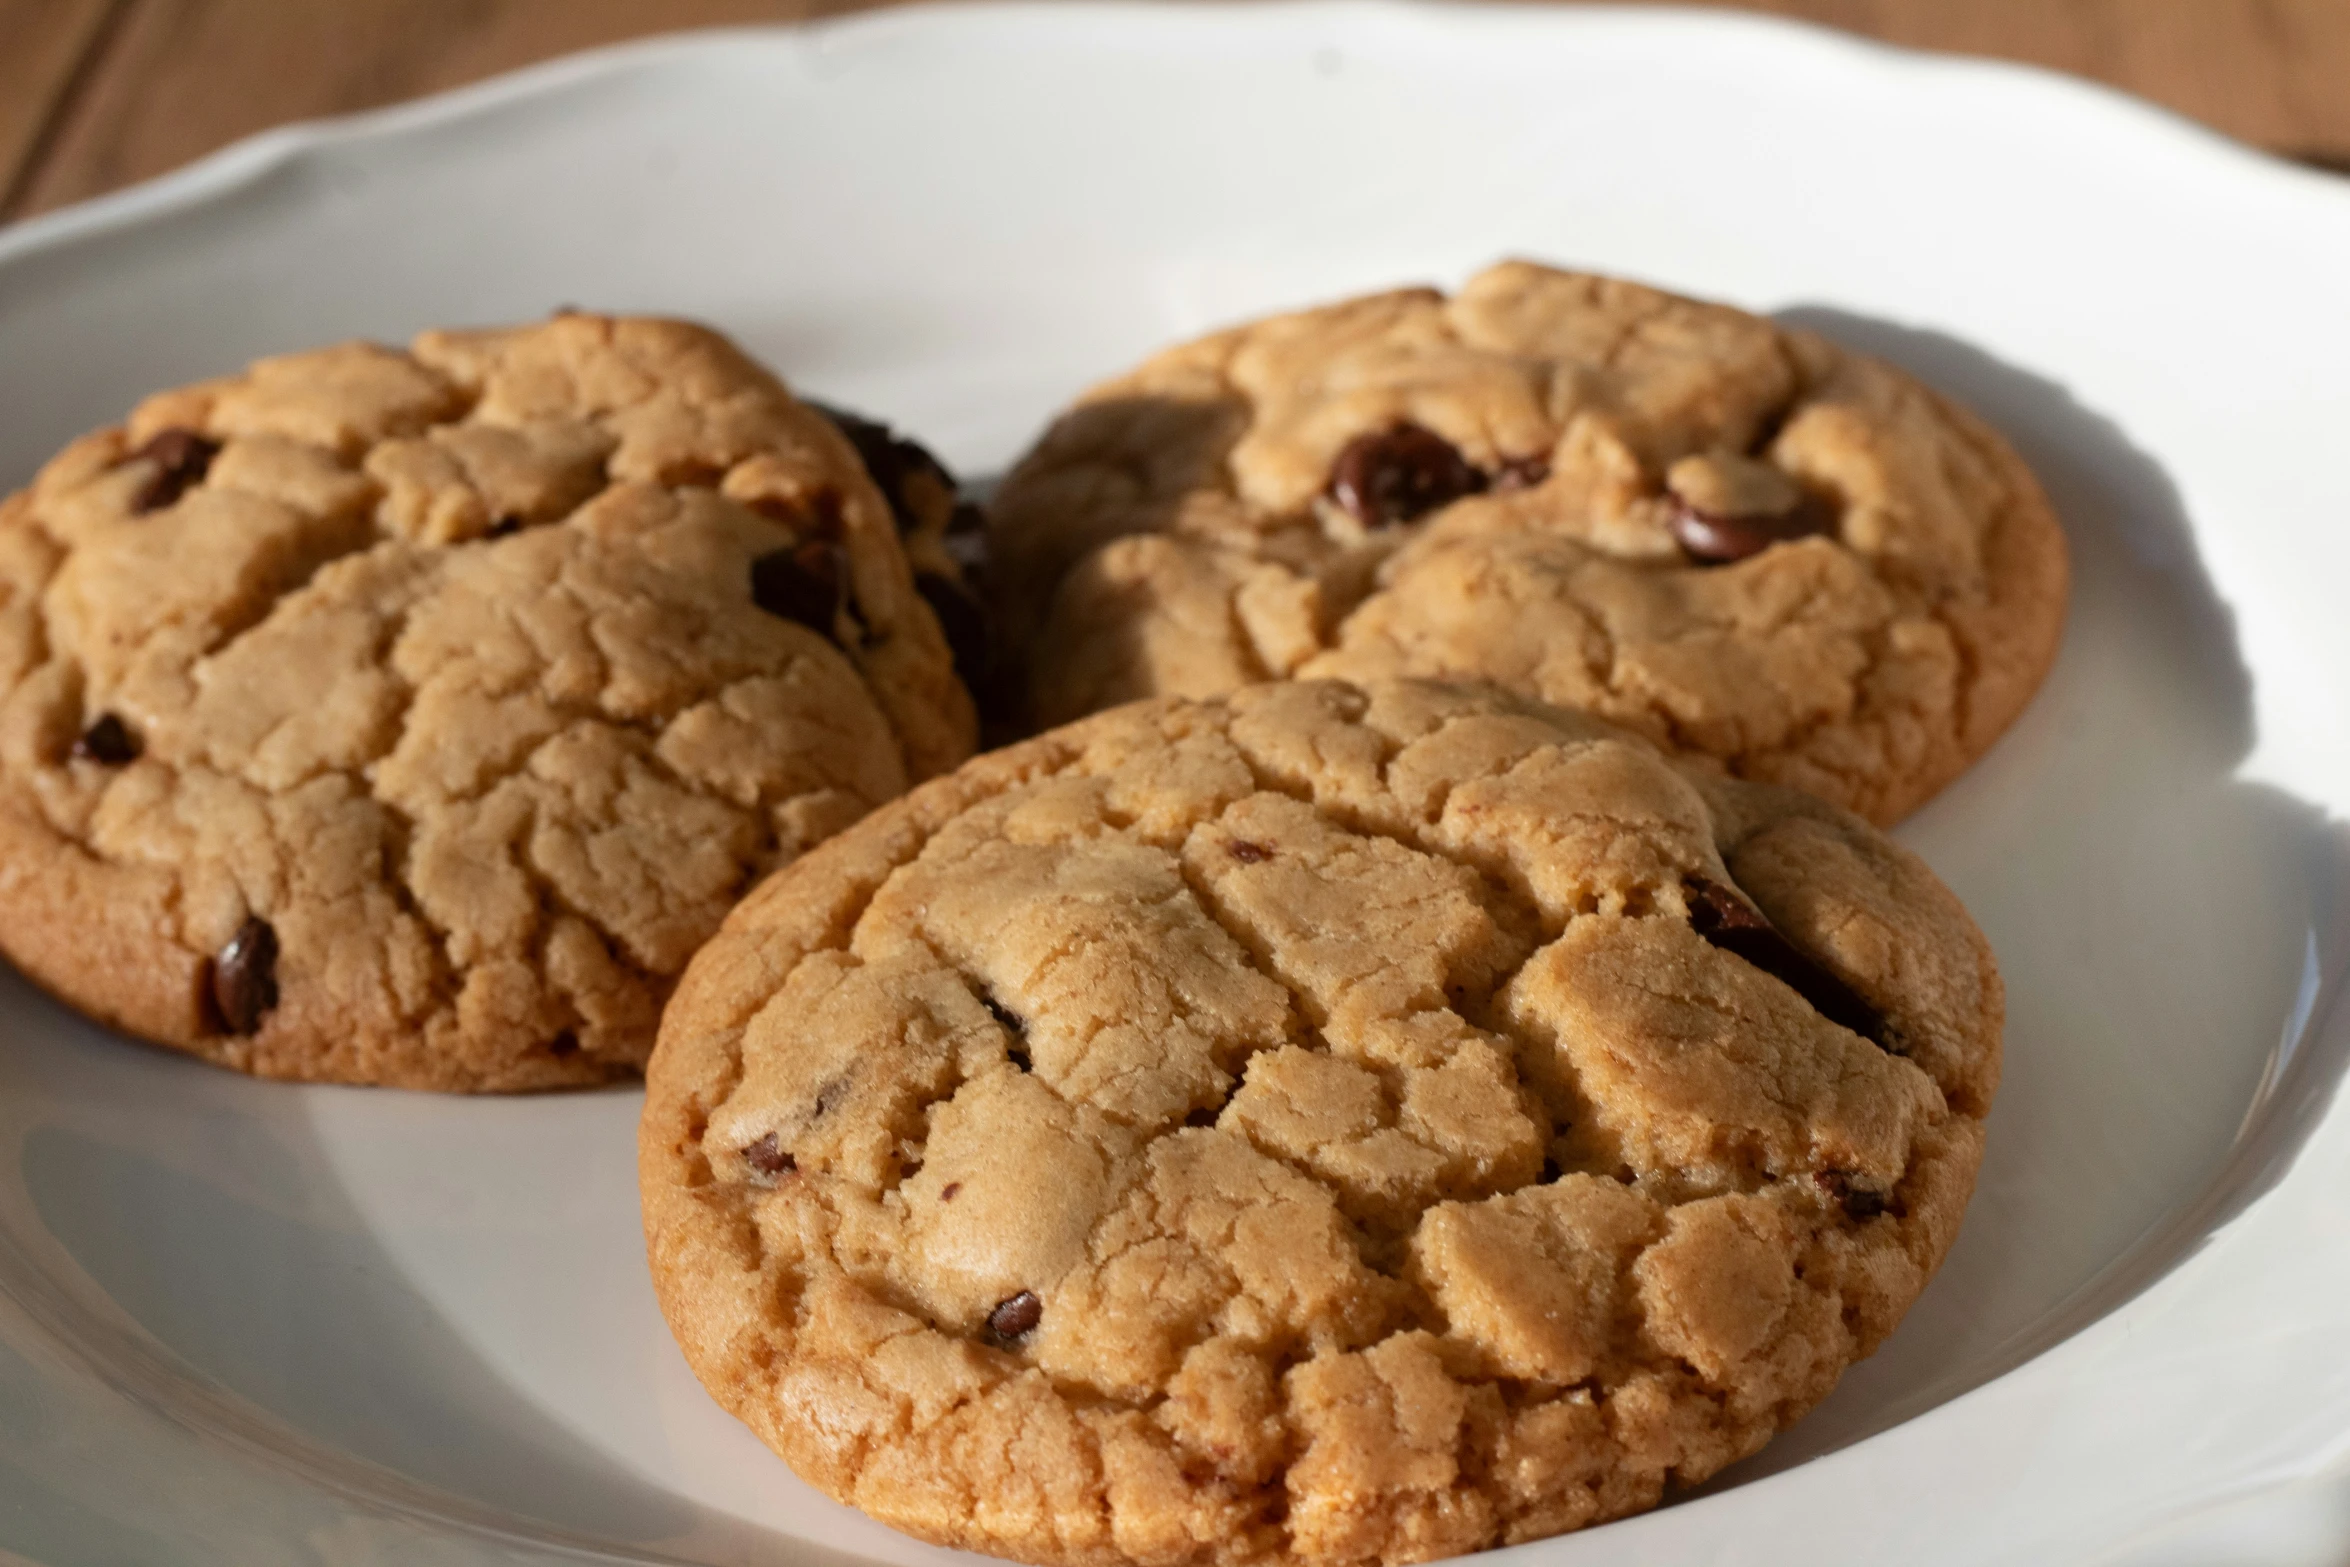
(254, 156)
(2257, 1160)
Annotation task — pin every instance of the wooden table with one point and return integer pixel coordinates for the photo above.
(98, 93)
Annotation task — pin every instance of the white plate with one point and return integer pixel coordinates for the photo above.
(251, 1324)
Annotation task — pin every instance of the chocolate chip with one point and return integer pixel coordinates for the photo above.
(947, 1192)
(244, 976)
(896, 464)
(1858, 1202)
(829, 1095)
(1017, 1051)
(1399, 473)
(1248, 853)
(108, 742)
(961, 619)
(803, 584)
(1717, 541)
(1521, 473)
(563, 1044)
(1714, 908)
(1726, 920)
(181, 458)
(1016, 1317)
(766, 1157)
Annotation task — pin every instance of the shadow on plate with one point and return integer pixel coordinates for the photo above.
(263, 1316)
(2172, 937)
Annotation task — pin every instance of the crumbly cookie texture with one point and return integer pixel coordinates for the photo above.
(412, 717)
(1744, 543)
(1330, 1124)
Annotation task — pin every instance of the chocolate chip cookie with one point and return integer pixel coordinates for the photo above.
(1739, 540)
(411, 717)
(1323, 1124)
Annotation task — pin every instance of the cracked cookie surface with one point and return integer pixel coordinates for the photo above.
(411, 717)
(1735, 538)
(1326, 1124)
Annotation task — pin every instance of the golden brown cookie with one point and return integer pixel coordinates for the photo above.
(1326, 1124)
(1739, 540)
(412, 717)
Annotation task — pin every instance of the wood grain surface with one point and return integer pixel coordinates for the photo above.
(47, 48)
(95, 94)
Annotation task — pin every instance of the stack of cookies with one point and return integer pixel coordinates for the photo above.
(1409, 1042)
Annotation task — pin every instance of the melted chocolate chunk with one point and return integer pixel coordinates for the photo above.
(1016, 1317)
(1717, 541)
(804, 584)
(1726, 920)
(1399, 473)
(897, 464)
(181, 458)
(108, 742)
(244, 976)
(961, 619)
(1248, 853)
(766, 1157)
(812, 517)
(1858, 1202)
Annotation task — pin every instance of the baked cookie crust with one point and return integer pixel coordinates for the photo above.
(1739, 540)
(411, 717)
(1327, 1124)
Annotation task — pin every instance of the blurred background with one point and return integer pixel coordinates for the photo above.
(96, 94)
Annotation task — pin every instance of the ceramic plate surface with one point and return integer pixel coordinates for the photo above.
(253, 1324)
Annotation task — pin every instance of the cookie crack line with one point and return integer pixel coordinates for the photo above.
(316, 475)
(839, 939)
(1652, 411)
(404, 894)
(236, 632)
(1709, 1319)
(1269, 780)
(1459, 1005)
